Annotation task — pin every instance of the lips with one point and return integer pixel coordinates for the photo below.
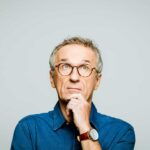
(74, 89)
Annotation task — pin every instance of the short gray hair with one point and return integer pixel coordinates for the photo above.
(79, 41)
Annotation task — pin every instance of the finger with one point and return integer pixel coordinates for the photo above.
(70, 106)
(71, 103)
(67, 111)
(76, 96)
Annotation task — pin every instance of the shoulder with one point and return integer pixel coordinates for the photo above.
(37, 119)
(103, 121)
(115, 125)
(30, 128)
(112, 122)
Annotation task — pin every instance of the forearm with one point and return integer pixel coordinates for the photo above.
(81, 114)
(90, 145)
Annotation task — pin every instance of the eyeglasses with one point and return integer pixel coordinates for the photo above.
(84, 70)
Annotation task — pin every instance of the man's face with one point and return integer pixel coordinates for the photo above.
(75, 55)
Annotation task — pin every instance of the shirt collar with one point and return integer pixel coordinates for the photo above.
(59, 120)
(93, 116)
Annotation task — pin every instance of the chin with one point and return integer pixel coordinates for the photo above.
(64, 99)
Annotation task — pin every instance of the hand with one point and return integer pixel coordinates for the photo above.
(81, 112)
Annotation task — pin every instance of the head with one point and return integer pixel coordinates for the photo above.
(76, 52)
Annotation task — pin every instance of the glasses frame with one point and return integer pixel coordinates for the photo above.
(72, 67)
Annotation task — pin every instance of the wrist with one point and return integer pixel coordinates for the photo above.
(92, 134)
(84, 129)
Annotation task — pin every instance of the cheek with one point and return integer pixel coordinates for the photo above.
(60, 85)
(89, 86)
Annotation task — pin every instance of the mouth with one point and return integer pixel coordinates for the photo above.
(74, 89)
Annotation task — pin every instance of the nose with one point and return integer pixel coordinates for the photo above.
(74, 76)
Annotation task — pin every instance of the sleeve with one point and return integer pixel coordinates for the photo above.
(21, 138)
(127, 140)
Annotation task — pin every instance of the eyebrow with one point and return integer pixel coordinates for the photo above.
(65, 59)
(86, 60)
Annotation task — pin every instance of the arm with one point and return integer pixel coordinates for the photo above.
(89, 144)
(81, 114)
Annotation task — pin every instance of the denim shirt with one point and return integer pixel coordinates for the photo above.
(49, 131)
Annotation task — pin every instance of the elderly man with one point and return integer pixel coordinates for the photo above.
(74, 124)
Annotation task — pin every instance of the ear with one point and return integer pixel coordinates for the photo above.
(51, 74)
(98, 78)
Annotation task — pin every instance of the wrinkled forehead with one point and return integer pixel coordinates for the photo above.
(75, 54)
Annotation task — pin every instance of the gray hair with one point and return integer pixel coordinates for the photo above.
(79, 41)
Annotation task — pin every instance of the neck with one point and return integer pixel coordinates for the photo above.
(63, 106)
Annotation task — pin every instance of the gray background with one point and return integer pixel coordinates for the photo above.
(30, 29)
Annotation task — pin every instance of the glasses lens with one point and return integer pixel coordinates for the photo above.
(64, 69)
(84, 70)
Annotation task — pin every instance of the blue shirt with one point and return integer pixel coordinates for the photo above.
(49, 131)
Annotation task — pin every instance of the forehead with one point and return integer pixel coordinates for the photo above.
(75, 54)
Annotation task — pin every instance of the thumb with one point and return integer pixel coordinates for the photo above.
(67, 111)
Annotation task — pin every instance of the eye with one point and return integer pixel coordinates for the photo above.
(65, 66)
(85, 67)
